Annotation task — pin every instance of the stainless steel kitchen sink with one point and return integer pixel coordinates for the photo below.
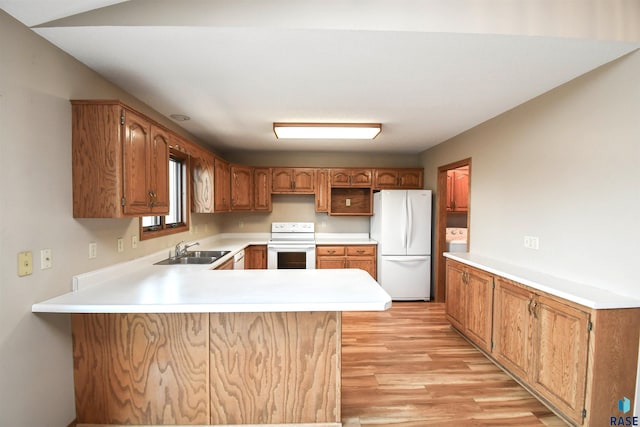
(206, 254)
(194, 257)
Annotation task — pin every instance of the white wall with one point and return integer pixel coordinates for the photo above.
(36, 82)
(563, 167)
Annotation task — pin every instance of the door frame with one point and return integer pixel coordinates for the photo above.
(440, 294)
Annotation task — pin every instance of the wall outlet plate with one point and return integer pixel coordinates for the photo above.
(93, 250)
(25, 263)
(45, 259)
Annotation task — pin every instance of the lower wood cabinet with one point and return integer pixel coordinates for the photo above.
(347, 256)
(577, 360)
(255, 257)
(544, 342)
(207, 368)
(469, 302)
(227, 265)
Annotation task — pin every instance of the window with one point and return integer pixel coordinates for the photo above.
(177, 220)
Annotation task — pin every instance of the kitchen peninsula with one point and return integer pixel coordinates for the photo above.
(185, 345)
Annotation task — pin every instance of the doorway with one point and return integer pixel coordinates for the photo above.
(453, 211)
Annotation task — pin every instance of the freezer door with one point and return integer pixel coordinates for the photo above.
(406, 277)
(419, 222)
(393, 222)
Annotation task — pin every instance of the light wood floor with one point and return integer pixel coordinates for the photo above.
(407, 367)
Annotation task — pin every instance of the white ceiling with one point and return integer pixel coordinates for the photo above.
(426, 69)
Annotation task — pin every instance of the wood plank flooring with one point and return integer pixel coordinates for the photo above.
(407, 367)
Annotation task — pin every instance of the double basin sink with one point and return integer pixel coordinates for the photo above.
(194, 257)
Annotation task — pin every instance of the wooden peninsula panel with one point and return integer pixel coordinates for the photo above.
(141, 368)
(275, 368)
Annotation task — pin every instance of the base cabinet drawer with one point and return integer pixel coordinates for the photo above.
(347, 256)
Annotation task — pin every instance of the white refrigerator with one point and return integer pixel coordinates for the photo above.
(401, 224)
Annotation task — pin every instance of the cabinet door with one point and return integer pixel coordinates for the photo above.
(512, 327)
(367, 264)
(202, 175)
(479, 307)
(304, 180)
(330, 262)
(221, 185)
(241, 188)
(455, 294)
(262, 189)
(135, 153)
(255, 257)
(322, 190)
(340, 177)
(460, 191)
(560, 342)
(159, 172)
(385, 178)
(361, 178)
(282, 180)
(410, 178)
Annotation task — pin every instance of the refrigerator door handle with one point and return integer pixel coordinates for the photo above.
(410, 220)
(404, 223)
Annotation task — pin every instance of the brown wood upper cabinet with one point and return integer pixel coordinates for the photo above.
(120, 162)
(407, 178)
(351, 177)
(293, 180)
(322, 190)
(221, 186)
(202, 174)
(241, 188)
(458, 190)
(262, 189)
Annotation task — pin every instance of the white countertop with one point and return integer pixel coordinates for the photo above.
(178, 290)
(579, 293)
(344, 239)
(138, 286)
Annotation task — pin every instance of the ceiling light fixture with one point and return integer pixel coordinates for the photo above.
(327, 130)
(180, 117)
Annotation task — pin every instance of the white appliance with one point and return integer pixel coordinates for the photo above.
(238, 260)
(456, 239)
(292, 246)
(401, 224)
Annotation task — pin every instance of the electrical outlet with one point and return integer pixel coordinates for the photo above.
(241, 224)
(531, 242)
(25, 263)
(348, 202)
(45, 259)
(93, 250)
(535, 243)
(120, 244)
(134, 241)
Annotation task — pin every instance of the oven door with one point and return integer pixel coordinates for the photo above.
(291, 256)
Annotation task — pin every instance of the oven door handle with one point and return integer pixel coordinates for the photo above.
(291, 247)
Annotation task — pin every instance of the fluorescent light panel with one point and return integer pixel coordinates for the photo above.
(327, 130)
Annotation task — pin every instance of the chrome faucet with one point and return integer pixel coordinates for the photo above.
(181, 251)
